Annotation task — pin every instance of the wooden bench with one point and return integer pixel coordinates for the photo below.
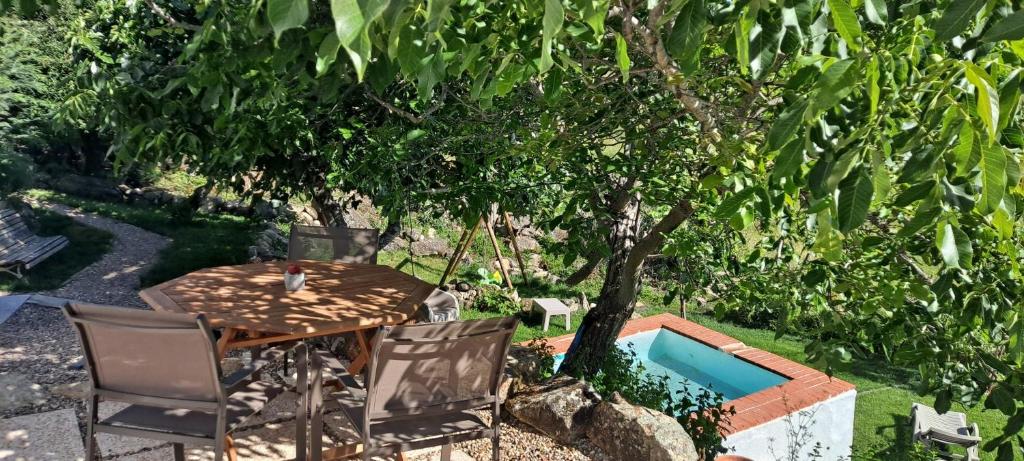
(20, 248)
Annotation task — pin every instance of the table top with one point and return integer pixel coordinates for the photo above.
(337, 297)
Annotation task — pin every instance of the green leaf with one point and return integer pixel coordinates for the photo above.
(788, 162)
(845, 21)
(840, 169)
(957, 195)
(965, 150)
(834, 84)
(554, 16)
(988, 98)
(876, 11)
(348, 20)
(327, 53)
(687, 36)
(914, 193)
(1002, 399)
(874, 91)
(924, 216)
(787, 125)
(765, 40)
(286, 14)
(955, 19)
(731, 204)
(855, 195)
(1008, 28)
(993, 177)
(828, 243)
(945, 240)
(622, 56)
(1009, 97)
(742, 35)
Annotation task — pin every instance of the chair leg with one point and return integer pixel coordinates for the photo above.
(229, 443)
(547, 320)
(179, 452)
(496, 448)
(568, 323)
(218, 448)
(446, 452)
(90, 433)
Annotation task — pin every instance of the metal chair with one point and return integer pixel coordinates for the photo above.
(165, 366)
(423, 383)
(342, 244)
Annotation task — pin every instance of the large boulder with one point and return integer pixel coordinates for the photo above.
(88, 187)
(627, 431)
(559, 408)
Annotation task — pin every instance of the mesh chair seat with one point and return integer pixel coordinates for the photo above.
(240, 406)
(413, 429)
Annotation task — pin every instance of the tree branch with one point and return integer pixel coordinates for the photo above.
(653, 45)
(415, 119)
(656, 237)
(170, 19)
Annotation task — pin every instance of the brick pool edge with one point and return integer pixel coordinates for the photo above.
(806, 387)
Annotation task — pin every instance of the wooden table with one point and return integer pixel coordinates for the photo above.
(251, 299)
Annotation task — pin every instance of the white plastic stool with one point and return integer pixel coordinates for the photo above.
(552, 306)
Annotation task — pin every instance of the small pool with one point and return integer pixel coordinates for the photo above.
(693, 365)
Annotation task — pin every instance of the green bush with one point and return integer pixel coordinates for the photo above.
(15, 172)
(496, 300)
(700, 414)
(622, 372)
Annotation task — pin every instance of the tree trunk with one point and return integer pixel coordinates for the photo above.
(195, 201)
(329, 211)
(581, 274)
(602, 324)
(392, 230)
(615, 304)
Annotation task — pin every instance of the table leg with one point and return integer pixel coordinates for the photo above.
(364, 353)
(225, 337)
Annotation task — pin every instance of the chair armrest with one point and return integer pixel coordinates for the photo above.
(241, 377)
(334, 367)
(944, 436)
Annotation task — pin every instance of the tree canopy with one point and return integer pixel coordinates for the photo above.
(874, 146)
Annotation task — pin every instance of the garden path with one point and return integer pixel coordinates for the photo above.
(114, 279)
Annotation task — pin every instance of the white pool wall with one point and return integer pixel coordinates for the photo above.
(829, 423)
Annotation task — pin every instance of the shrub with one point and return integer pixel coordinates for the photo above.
(622, 372)
(15, 171)
(545, 358)
(496, 300)
(701, 415)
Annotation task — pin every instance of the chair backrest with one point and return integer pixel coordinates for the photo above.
(437, 368)
(164, 358)
(343, 244)
(13, 231)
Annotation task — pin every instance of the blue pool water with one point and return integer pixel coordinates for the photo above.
(695, 366)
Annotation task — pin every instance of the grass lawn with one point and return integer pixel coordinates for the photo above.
(206, 241)
(884, 393)
(86, 246)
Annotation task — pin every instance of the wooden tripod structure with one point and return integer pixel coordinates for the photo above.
(467, 239)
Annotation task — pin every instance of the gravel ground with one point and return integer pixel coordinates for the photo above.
(520, 442)
(114, 279)
(37, 343)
